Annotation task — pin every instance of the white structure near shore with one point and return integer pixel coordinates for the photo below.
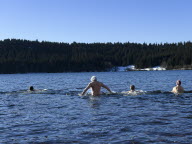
(132, 68)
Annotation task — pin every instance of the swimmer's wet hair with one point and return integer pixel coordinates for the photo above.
(93, 78)
(31, 88)
(132, 87)
(178, 82)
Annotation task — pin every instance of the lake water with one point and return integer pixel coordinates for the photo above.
(59, 115)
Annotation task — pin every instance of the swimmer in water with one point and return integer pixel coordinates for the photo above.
(132, 91)
(95, 86)
(31, 89)
(178, 88)
(132, 88)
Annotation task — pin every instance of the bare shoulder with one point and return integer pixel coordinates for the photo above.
(90, 84)
(101, 83)
(174, 89)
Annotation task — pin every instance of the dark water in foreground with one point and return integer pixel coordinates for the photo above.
(59, 115)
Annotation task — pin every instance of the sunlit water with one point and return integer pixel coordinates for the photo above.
(60, 115)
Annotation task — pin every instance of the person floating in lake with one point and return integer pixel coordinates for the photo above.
(95, 86)
(178, 88)
(31, 89)
(133, 92)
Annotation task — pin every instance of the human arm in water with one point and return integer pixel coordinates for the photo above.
(85, 90)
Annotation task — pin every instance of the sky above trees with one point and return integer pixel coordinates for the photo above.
(89, 21)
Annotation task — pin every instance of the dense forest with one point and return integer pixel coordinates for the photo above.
(24, 56)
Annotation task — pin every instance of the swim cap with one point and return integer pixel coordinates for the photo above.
(178, 82)
(93, 78)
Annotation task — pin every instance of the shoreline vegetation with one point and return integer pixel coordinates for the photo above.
(24, 56)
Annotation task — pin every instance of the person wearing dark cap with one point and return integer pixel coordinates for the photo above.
(178, 88)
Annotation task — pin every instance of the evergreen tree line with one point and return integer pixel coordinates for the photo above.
(24, 56)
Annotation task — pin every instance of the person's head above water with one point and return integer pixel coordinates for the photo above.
(132, 87)
(178, 82)
(31, 88)
(93, 78)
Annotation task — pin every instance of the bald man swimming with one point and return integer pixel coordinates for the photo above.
(95, 86)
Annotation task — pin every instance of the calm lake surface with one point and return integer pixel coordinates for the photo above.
(59, 115)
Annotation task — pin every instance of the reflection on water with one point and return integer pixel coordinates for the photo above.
(60, 115)
(94, 101)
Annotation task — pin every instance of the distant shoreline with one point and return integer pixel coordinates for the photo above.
(24, 56)
(94, 71)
